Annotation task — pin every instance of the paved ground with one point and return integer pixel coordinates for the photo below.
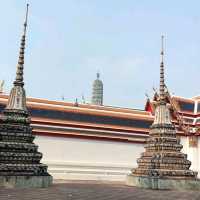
(94, 191)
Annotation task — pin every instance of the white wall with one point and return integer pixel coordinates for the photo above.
(73, 158)
(192, 154)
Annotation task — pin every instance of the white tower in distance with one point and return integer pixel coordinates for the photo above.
(97, 91)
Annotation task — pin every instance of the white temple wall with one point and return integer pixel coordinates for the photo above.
(83, 159)
(193, 152)
(198, 157)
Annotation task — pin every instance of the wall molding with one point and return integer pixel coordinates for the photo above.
(87, 171)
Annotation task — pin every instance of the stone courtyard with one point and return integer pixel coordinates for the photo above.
(93, 190)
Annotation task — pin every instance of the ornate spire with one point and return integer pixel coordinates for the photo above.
(20, 66)
(162, 114)
(17, 98)
(19, 154)
(162, 80)
(162, 165)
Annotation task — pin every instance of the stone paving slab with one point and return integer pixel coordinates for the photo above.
(92, 190)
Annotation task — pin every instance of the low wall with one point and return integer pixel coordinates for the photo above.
(82, 159)
(71, 158)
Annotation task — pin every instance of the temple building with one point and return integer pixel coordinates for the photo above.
(89, 141)
(104, 142)
(97, 91)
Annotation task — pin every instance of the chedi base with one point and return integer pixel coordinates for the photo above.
(163, 183)
(25, 181)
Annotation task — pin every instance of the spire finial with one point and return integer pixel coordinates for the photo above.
(20, 66)
(162, 48)
(76, 102)
(98, 75)
(162, 80)
(26, 19)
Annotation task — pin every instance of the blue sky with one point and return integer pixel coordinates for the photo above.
(68, 41)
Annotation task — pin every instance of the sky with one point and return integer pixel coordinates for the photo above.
(69, 41)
